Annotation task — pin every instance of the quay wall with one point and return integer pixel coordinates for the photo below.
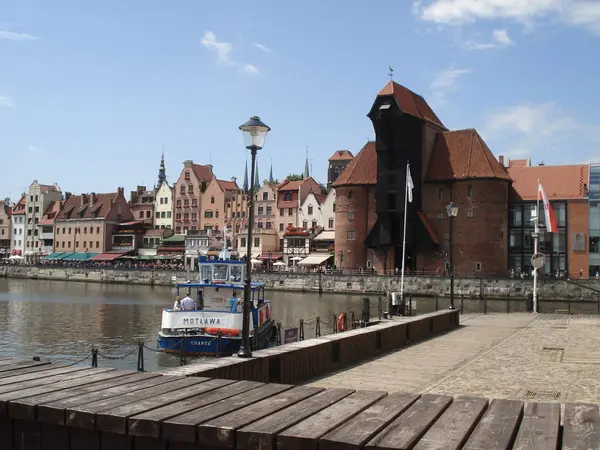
(421, 286)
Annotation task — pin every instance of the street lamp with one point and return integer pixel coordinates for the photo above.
(452, 210)
(255, 133)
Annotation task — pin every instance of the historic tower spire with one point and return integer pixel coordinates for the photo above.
(162, 171)
(245, 185)
(271, 179)
(256, 177)
(306, 173)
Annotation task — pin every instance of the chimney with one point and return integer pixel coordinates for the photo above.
(120, 191)
(67, 196)
(233, 179)
(7, 201)
(83, 199)
(501, 160)
(141, 189)
(542, 163)
(210, 166)
(188, 163)
(92, 198)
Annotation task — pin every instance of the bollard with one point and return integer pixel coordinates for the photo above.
(461, 305)
(318, 327)
(345, 322)
(569, 305)
(182, 352)
(140, 361)
(485, 305)
(437, 305)
(366, 310)
(334, 323)
(94, 357)
(219, 343)
(380, 311)
(255, 339)
(301, 330)
(353, 319)
(507, 306)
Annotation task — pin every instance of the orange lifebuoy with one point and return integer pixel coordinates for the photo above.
(224, 331)
(341, 326)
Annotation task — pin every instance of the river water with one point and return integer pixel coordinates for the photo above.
(62, 321)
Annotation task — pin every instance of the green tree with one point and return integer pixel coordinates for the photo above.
(294, 177)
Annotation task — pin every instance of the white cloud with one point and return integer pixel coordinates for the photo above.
(220, 49)
(264, 48)
(585, 13)
(543, 130)
(34, 151)
(500, 39)
(249, 69)
(12, 36)
(444, 82)
(5, 101)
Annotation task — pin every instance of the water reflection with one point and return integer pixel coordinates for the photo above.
(64, 320)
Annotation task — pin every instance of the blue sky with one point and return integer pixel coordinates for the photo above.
(91, 91)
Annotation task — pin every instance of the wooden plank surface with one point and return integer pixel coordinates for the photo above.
(362, 428)
(539, 429)
(23, 404)
(497, 428)
(33, 369)
(455, 425)
(35, 379)
(22, 365)
(54, 411)
(149, 424)
(404, 432)
(84, 416)
(306, 434)
(115, 420)
(262, 434)
(581, 429)
(183, 428)
(221, 431)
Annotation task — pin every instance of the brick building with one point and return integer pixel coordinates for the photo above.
(192, 181)
(141, 202)
(446, 166)
(5, 228)
(214, 203)
(337, 163)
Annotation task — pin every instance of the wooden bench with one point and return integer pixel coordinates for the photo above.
(50, 407)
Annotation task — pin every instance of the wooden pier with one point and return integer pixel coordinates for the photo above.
(51, 406)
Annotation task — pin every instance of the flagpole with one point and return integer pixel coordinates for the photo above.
(404, 237)
(536, 237)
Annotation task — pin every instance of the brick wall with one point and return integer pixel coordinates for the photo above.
(578, 221)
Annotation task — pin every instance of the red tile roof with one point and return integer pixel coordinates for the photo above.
(51, 212)
(289, 185)
(559, 182)
(411, 103)
(203, 173)
(77, 203)
(45, 188)
(362, 169)
(320, 198)
(228, 185)
(519, 163)
(20, 206)
(341, 155)
(463, 154)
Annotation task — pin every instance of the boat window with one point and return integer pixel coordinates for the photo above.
(237, 272)
(220, 272)
(205, 273)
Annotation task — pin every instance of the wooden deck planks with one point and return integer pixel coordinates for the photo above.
(183, 428)
(455, 425)
(221, 431)
(262, 434)
(36, 378)
(498, 427)
(359, 430)
(84, 416)
(540, 427)
(581, 427)
(18, 365)
(149, 423)
(54, 411)
(306, 434)
(115, 420)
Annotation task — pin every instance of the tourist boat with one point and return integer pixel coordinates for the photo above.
(214, 326)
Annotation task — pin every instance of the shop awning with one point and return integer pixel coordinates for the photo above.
(55, 256)
(106, 256)
(78, 256)
(272, 256)
(328, 235)
(242, 254)
(314, 259)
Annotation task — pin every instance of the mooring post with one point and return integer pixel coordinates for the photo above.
(94, 357)
(318, 327)
(140, 362)
(320, 282)
(346, 322)
(380, 312)
(334, 323)
(484, 305)
(569, 305)
(219, 344)
(353, 319)
(182, 352)
(301, 330)
(437, 307)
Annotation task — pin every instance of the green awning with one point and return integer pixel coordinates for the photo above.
(175, 238)
(79, 256)
(53, 256)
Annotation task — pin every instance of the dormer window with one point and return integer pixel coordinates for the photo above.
(187, 175)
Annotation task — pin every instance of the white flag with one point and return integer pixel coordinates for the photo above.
(409, 184)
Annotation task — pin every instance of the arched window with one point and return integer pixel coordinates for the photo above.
(212, 199)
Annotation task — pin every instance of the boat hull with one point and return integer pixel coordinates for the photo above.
(207, 345)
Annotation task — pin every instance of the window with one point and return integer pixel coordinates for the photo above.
(280, 227)
(158, 215)
(37, 209)
(186, 216)
(440, 194)
(182, 189)
(350, 194)
(350, 215)
(91, 230)
(85, 244)
(194, 202)
(290, 211)
(69, 244)
(97, 244)
(191, 188)
(446, 236)
(470, 195)
(178, 216)
(310, 210)
(208, 214)
(287, 196)
(186, 203)
(477, 264)
(260, 210)
(212, 199)
(515, 241)
(168, 214)
(257, 242)
(161, 200)
(178, 202)
(177, 230)
(57, 231)
(330, 223)
(187, 175)
(515, 216)
(194, 216)
(441, 216)
(351, 235)
(470, 213)
(30, 210)
(265, 196)
(269, 211)
(281, 211)
(217, 213)
(305, 224)
(62, 244)
(259, 225)
(243, 242)
(141, 214)
(334, 207)
(314, 224)
(97, 230)
(268, 225)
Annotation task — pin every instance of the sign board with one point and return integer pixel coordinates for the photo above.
(290, 335)
(200, 319)
(579, 242)
(538, 260)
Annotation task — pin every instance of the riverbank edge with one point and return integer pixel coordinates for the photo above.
(473, 288)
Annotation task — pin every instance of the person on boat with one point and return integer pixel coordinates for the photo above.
(177, 304)
(187, 303)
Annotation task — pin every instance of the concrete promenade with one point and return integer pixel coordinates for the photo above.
(550, 358)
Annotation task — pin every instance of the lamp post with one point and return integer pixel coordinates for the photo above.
(255, 133)
(452, 210)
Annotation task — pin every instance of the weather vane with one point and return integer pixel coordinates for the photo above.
(391, 74)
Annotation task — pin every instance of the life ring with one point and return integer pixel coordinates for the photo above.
(229, 332)
(341, 326)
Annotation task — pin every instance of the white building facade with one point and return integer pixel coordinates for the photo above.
(37, 200)
(163, 207)
(17, 244)
(318, 211)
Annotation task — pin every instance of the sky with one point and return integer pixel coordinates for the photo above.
(91, 92)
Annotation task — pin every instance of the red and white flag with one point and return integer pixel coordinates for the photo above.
(551, 223)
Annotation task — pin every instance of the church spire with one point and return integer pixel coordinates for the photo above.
(245, 185)
(256, 177)
(271, 179)
(306, 173)
(162, 171)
